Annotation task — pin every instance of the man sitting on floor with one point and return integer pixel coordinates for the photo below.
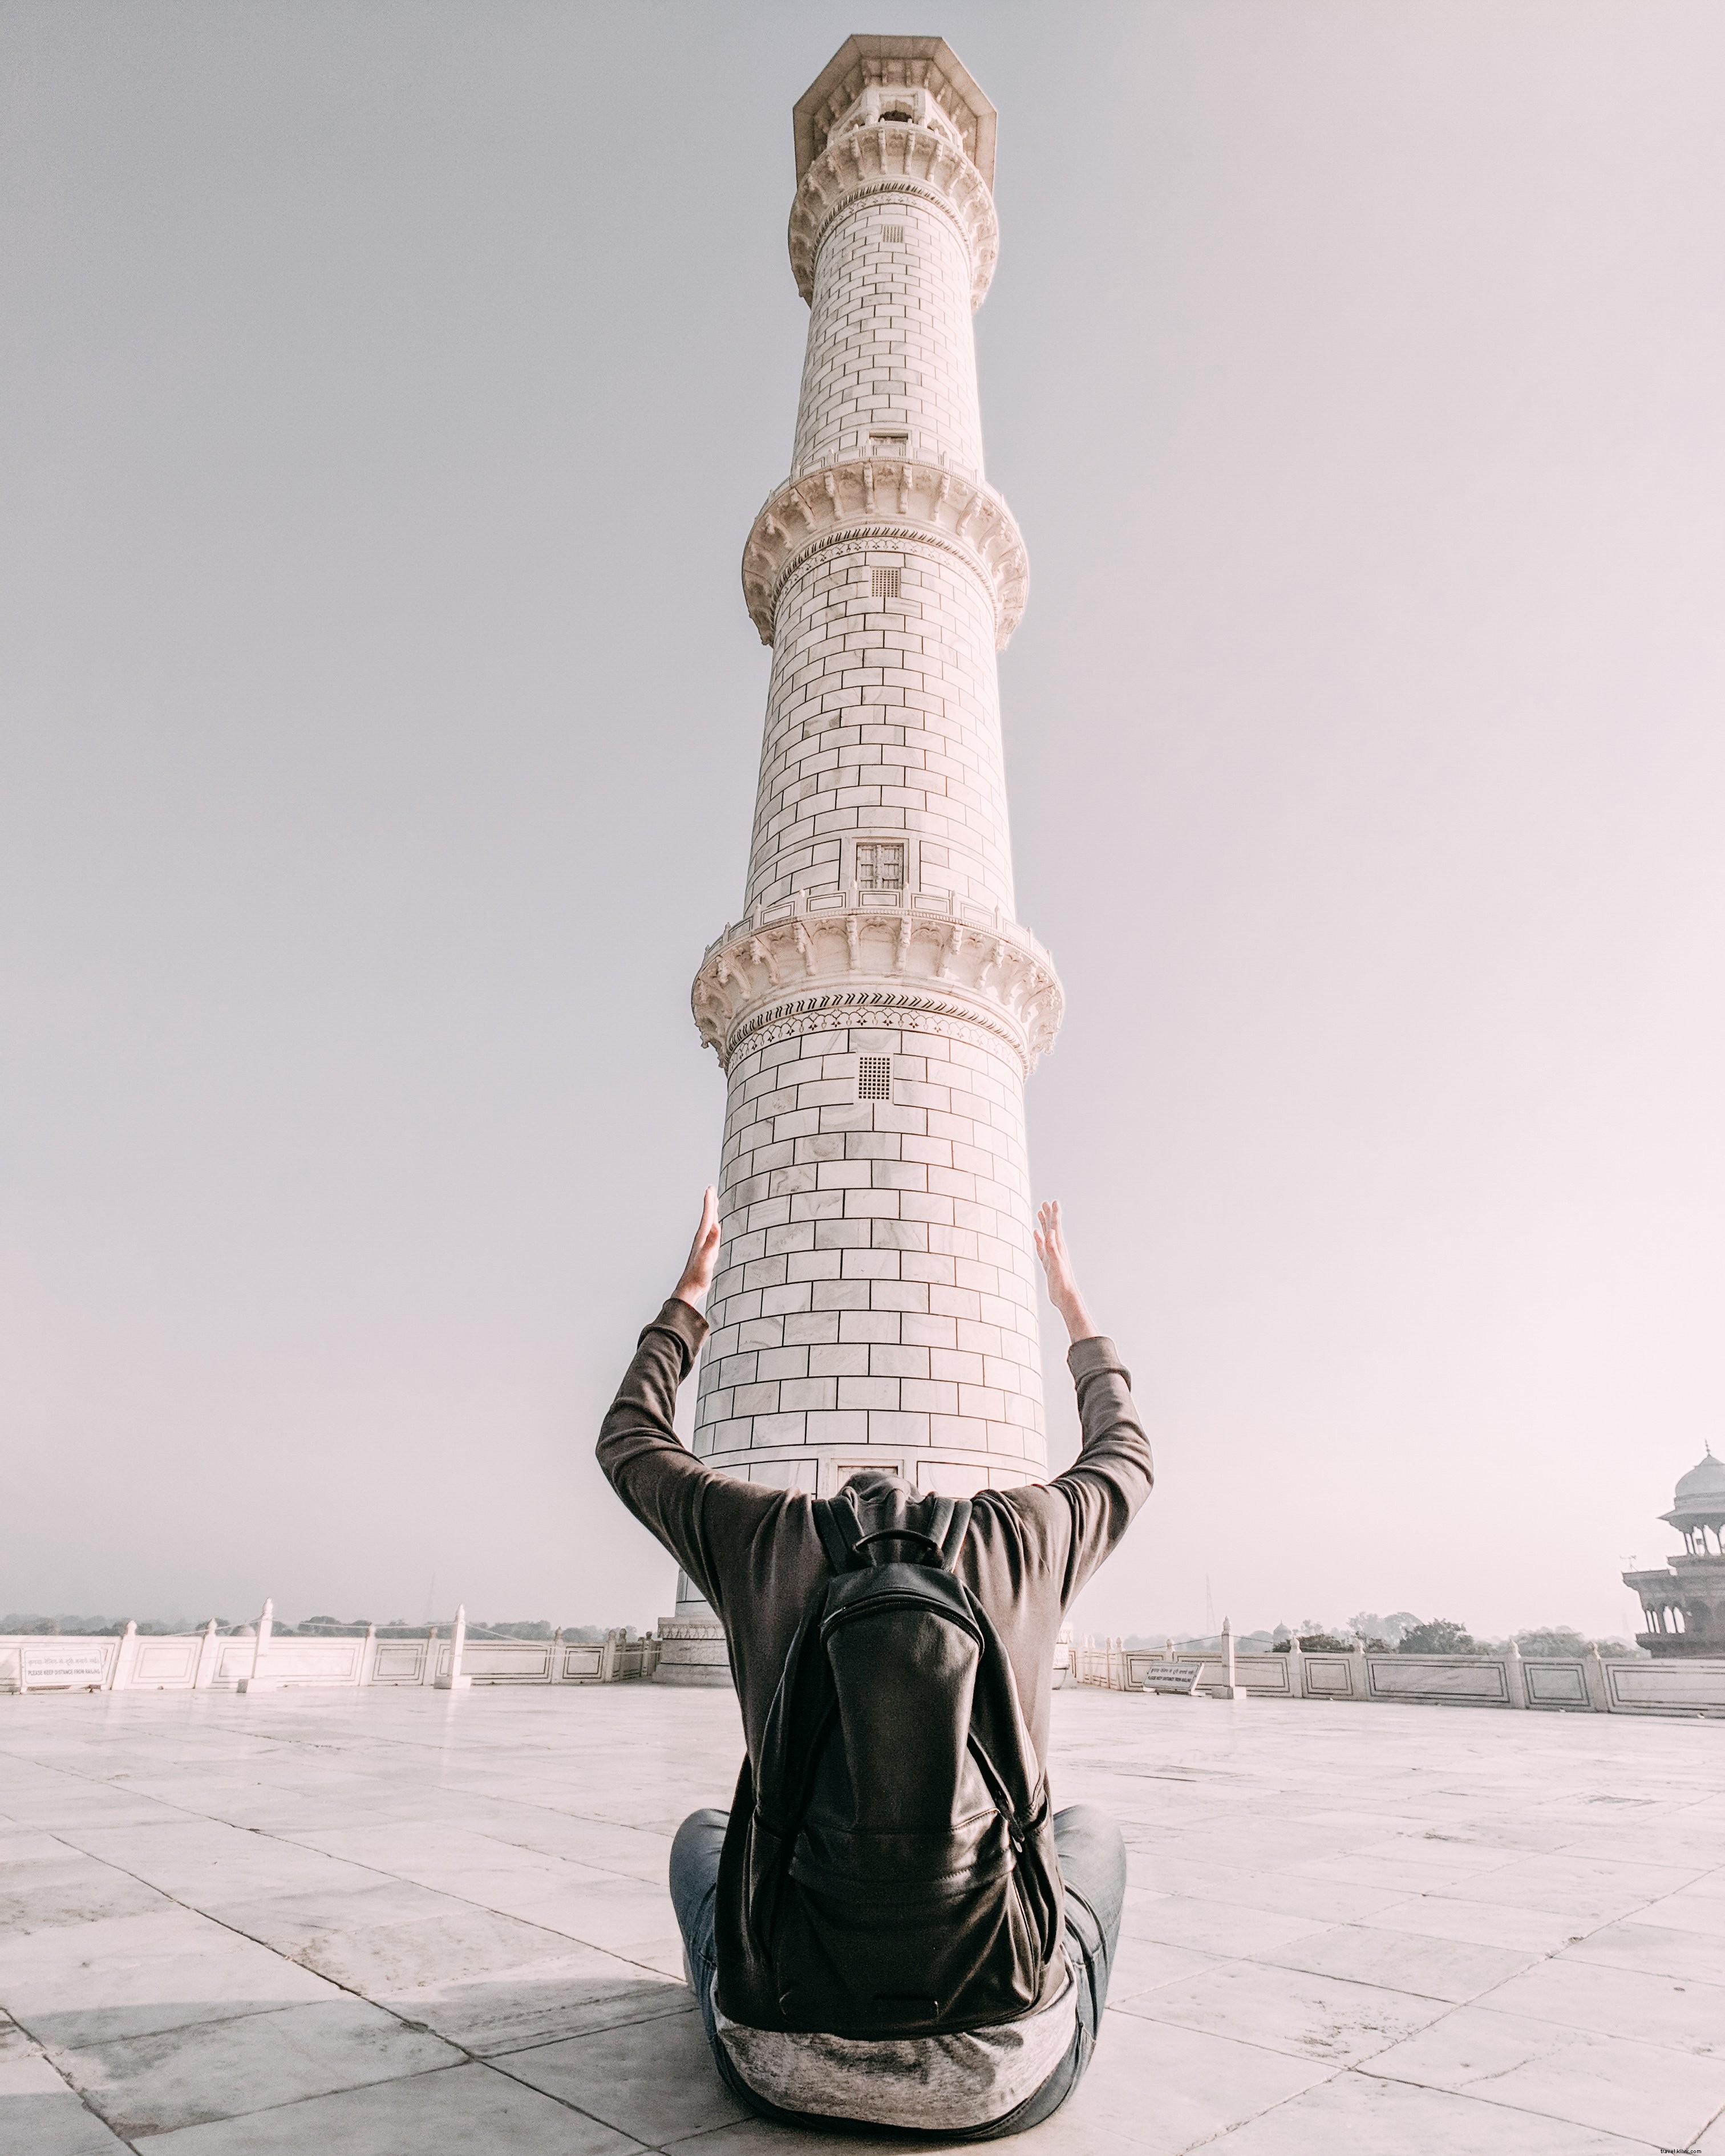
(891, 1927)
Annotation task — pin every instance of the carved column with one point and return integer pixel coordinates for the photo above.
(877, 1006)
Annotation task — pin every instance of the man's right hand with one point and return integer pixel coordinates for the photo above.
(703, 1255)
(1056, 1263)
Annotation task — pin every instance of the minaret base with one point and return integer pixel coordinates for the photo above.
(692, 1651)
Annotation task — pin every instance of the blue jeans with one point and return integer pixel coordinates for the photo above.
(1092, 1857)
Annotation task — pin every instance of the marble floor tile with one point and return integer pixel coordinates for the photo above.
(1687, 1912)
(1144, 1965)
(1449, 1969)
(512, 2009)
(1322, 1901)
(389, 1938)
(633, 1852)
(1309, 2017)
(27, 2072)
(1684, 1956)
(205, 1862)
(43, 1894)
(1585, 1886)
(1355, 2116)
(622, 1916)
(133, 1976)
(1481, 1923)
(1217, 1928)
(147, 2085)
(463, 2111)
(1617, 2002)
(1165, 2089)
(1400, 1874)
(653, 2080)
(45, 2125)
(1644, 2092)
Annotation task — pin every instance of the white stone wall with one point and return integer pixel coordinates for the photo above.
(890, 349)
(875, 1301)
(883, 721)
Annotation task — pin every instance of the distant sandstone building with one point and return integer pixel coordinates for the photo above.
(1684, 1605)
(877, 1006)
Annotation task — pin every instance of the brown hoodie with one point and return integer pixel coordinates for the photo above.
(755, 1552)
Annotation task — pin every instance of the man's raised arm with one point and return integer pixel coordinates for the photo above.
(646, 1463)
(1112, 1475)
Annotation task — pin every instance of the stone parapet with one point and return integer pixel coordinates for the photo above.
(888, 501)
(909, 959)
(258, 1659)
(1583, 1684)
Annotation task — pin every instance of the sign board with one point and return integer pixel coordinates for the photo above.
(73, 1668)
(1170, 1676)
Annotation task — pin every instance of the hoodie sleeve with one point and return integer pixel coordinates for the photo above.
(1059, 1532)
(697, 1513)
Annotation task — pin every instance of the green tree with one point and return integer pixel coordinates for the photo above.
(1552, 1641)
(1439, 1635)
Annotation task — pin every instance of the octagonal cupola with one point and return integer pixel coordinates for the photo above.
(1698, 1507)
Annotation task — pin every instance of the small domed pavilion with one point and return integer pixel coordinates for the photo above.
(1684, 1605)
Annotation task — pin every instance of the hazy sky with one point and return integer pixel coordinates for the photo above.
(388, 390)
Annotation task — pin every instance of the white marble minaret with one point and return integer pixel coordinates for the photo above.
(877, 1007)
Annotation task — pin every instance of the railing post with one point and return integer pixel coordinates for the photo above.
(1359, 1674)
(209, 1653)
(256, 1681)
(1229, 1688)
(124, 1656)
(1296, 1669)
(1599, 1690)
(453, 1680)
(1515, 1675)
(556, 1675)
(427, 1675)
(368, 1657)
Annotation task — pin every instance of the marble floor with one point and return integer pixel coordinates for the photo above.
(410, 1923)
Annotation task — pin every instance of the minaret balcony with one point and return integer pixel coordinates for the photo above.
(886, 501)
(896, 157)
(910, 960)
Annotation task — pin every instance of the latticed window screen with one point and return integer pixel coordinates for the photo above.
(886, 583)
(874, 1078)
(893, 234)
(880, 865)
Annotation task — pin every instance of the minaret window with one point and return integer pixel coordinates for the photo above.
(886, 583)
(880, 865)
(874, 1078)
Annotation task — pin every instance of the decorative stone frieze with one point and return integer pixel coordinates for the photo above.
(888, 501)
(922, 956)
(901, 158)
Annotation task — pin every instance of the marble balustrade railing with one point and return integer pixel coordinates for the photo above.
(443, 1658)
(1585, 1684)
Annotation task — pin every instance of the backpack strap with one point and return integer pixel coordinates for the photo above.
(841, 1534)
(839, 1529)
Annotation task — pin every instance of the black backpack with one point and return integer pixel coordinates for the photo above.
(893, 1873)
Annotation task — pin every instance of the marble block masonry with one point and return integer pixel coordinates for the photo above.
(877, 1006)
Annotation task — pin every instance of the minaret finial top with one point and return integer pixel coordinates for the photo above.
(928, 74)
